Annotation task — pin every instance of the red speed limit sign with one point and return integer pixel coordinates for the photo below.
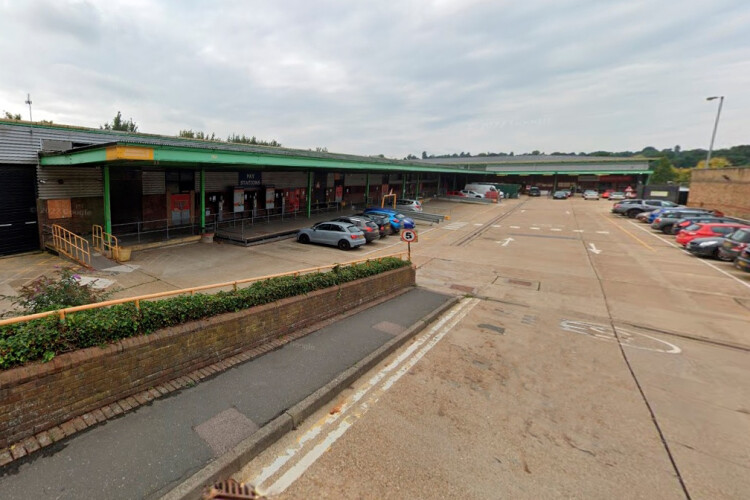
(409, 236)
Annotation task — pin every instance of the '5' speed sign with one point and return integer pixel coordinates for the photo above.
(409, 235)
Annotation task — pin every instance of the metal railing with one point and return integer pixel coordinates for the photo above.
(71, 245)
(230, 284)
(105, 243)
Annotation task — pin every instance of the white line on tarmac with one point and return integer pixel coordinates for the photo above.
(602, 232)
(735, 278)
(296, 471)
(311, 434)
(534, 228)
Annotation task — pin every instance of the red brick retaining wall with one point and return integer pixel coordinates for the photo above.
(38, 396)
(725, 189)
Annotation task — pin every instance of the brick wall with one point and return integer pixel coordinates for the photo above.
(38, 396)
(726, 189)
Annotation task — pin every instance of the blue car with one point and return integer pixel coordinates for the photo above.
(398, 220)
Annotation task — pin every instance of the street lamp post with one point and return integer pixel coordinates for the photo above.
(716, 124)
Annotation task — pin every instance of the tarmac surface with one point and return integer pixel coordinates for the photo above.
(586, 357)
(145, 453)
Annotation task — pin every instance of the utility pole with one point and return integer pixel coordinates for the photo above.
(28, 101)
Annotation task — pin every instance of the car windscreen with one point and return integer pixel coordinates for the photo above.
(693, 227)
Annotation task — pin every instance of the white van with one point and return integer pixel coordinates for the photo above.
(486, 190)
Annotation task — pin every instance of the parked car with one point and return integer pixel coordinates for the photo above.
(735, 243)
(645, 216)
(368, 227)
(339, 234)
(486, 189)
(688, 211)
(560, 195)
(705, 247)
(631, 208)
(383, 222)
(742, 262)
(692, 219)
(616, 195)
(706, 229)
(590, 194)
(470, 194)
(606, 193)
(534, 191)
(667, 220)
(409, 204)
(398, 220)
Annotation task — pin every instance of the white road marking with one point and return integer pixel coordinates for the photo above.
(506, 241)
(496, 225)
(125, 268)
(522, 211)
(437, 332)
(555, 229)
(95, 283)
(605, 332)
(534, 228)
(515, 227)
(735, 278)
(577, 230)
(455, 225)
(594, 249)
(477, 224)
(602, 232)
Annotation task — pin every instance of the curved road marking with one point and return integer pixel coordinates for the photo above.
(628, 338)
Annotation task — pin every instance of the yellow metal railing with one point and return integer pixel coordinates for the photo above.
(137, 300)
(71, 245)
(105, 243)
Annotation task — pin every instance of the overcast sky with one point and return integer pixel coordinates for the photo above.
(390, 77)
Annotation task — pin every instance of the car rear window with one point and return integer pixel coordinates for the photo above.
(353, 229)
(741, 235)
(693, 227)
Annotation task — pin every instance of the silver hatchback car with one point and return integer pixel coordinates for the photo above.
(340, 234)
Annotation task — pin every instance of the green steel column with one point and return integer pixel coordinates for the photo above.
(367, 189)
(107, 206)
(439, 185)
(309, 193)
(203, 200)
(403, 185)
(417, 192)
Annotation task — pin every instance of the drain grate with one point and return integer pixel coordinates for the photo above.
(231, 490)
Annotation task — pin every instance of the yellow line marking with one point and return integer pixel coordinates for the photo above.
(629, 233)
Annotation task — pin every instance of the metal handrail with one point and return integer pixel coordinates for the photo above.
(71, 245)
(105, 243)
(191, 291)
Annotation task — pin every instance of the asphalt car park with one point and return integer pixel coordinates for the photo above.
(588, 357)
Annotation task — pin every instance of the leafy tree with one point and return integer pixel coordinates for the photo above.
(243, 139)
(650, 152)
(683, 175)
(189, 134)
(716, 162)
(10, 116)
(663, 172)
(424, 155)
(119, 124)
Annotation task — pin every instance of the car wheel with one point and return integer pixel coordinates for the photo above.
(633, 213)
(303, 238)
(344, 245)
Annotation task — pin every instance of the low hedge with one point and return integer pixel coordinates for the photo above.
(46, 337)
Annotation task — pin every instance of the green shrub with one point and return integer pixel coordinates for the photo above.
(46, 337)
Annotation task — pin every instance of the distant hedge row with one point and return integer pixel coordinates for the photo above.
(46, 337)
